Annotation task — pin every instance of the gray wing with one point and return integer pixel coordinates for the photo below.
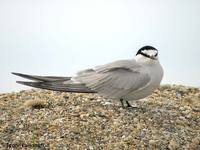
(116, 79)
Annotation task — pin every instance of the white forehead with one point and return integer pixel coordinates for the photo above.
(150, 52)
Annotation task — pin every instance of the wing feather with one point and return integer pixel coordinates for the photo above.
(42, 78)
(59, 86)
(116, 79)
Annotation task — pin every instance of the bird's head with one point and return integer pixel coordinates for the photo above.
(147, 53)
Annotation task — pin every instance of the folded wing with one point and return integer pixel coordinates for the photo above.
(113, 80)
(116, 79)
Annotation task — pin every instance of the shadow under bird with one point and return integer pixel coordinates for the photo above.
(123, 80)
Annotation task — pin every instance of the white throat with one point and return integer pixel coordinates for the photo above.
(144, 60)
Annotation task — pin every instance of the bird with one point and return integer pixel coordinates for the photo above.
(123, 80)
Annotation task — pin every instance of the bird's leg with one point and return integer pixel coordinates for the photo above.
(128, 104)
(122, 102)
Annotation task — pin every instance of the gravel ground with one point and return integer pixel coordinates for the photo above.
(169, 119)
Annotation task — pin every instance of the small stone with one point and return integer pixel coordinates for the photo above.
(197, 109)
(142, 134)
(123, 136)
(152, 142)
(35, 103)
(181, 108)
(186, 112)
(187, 107)
(107, 103)
(189, 116)
(91, 147)
(173, 145)
(84, 115)
(21, 126)
(135, 120)
(182, 118)
(195, 143)
(178, 95)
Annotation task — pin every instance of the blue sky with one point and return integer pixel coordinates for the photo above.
(48, 37)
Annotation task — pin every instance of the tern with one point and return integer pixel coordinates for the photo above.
(122, 80)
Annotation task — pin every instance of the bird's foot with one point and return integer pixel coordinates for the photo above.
(126, 105)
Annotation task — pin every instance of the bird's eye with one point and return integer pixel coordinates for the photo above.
(156, 54)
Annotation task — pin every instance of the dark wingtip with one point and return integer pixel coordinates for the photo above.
(21, 75)
(18, 74)
(27, 83)
(22, 82)
(15, 73)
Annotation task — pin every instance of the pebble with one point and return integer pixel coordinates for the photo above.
(21, 126)
(167, 119)
(153, 142)
(135, 120)
(173, 145)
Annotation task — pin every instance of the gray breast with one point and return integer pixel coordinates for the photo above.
(156, 73)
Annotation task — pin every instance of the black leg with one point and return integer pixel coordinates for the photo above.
(128, 104)
(122, 102)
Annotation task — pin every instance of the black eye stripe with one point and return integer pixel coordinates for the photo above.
(145, 55)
